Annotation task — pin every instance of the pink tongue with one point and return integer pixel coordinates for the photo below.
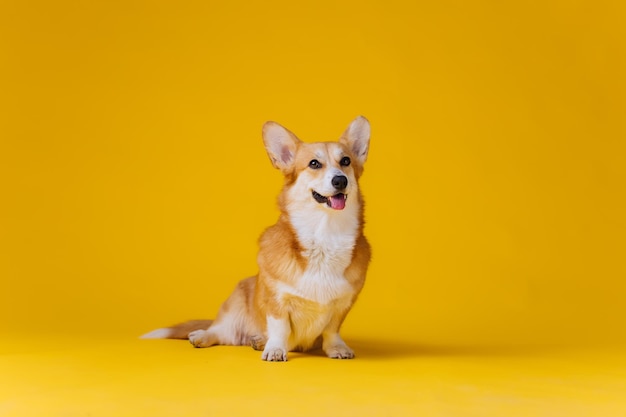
(337, 202)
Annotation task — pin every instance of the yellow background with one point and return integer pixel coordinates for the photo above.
(134, 183)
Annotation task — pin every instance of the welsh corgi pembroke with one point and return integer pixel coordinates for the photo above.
(312, 262)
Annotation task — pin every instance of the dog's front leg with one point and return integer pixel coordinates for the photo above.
(276, 347)
(332, 344)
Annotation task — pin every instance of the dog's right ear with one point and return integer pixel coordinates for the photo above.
(280, 144)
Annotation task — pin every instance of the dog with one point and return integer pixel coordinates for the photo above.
(312, 262)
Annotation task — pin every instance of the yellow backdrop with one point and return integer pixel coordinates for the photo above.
(134, 183)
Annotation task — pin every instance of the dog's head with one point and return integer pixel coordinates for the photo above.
(320, 174)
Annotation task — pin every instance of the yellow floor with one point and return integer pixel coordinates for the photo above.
(42, 375)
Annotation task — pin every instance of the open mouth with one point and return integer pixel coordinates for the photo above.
(335, 202)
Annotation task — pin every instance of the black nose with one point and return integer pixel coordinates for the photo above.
(340, 182)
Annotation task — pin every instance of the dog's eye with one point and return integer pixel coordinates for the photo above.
(315, 164)
(345, 161)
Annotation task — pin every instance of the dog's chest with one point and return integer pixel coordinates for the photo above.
(327, 248)
(323, 280)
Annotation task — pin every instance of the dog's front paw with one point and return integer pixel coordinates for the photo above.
(339, 352)
(274, 354)
(201, 338)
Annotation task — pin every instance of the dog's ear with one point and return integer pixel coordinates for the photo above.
(357, 138)
(280, 144)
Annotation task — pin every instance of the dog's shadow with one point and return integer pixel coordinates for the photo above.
(372, 349)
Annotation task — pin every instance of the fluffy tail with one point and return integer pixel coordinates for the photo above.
(178, 331)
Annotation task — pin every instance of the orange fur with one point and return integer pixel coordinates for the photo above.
(312, 262)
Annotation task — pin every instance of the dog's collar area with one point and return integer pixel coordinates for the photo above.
(336, 202)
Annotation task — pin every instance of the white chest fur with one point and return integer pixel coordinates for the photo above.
(328, 241)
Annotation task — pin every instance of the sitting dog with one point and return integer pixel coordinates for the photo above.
(312, 262)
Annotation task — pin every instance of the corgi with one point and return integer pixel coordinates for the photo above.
(312, 262)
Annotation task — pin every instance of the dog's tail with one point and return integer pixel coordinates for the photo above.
(178, 331)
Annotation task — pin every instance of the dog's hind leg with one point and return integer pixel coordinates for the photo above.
(234, 324)
(228, 329)
(258, 342)
(203, 338)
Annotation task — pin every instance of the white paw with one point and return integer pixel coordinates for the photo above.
(199, 338)
(274, 354)
(339, 352)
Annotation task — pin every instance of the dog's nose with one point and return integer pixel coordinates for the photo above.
(340, 182)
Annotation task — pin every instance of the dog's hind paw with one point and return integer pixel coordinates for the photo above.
(202, 338)
(257, 342)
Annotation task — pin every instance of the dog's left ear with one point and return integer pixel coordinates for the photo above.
(280, 144)
(357, 138)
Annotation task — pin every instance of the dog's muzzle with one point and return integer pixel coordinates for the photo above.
(335, 202)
